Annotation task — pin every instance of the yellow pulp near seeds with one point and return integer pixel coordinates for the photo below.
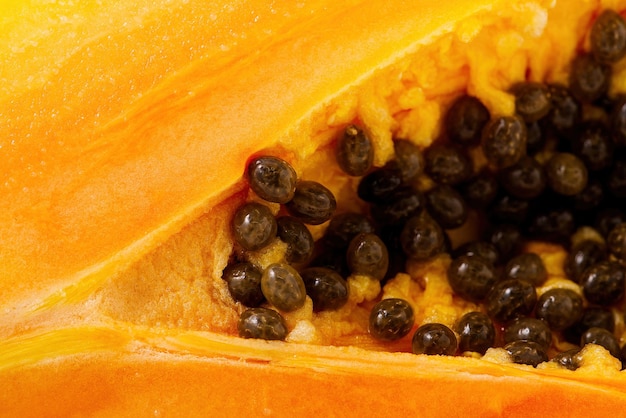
(179, 284)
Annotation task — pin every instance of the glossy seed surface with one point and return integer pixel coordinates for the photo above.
(608, 36)
(272, 179)
(422, 238)
(262, 323)
(604, 283)
(326, 288)
(434, 339)
(244, 283)
(391, 319)
(465, 119)
(254, 226)
(283, 287)
(476, 332)
(471, 277)
(368, 255)
(526, 352)
(566, 174)
(448, 164)
(532, 100)
(527, 266)
(528, 329)
(312, 203)
(589, 78)
(298, 238)
(504, 141)
(560, 308)
(354, 152)
(510, 299)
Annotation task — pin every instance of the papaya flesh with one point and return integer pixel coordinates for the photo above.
(125, 130)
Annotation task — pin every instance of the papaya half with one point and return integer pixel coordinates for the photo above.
(125, 132)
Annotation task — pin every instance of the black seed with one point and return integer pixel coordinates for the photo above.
(593, 145)
(510, 299)
(262, 323)
(590, 198)
(391, 319)
(368, 255)
(560, 308)
(272, 179)
(504, 141)
(312, 203)
(354, 151)
(608, 218)
(476, 332)
(568, 359)
(589, 79)
(253, 226)
(608, 37)
(481, 189)
(326, 288)
(525, 179)
(471, 277)
(616, 241)
(532, 100)
(604, 283)
(508, 209)
(593, 316)
(617, 180)
(618, 122)
(379, 184)
(535, 138)
(422, 238)
(527, 266)
(483, 249)
(526, 352)
(583, 255)
(283, 287)
(528, 329)
(448, 164)
(566, 110)
(566, 173)
(506, 238)
(446, 206)
(244, 283)
(604, 338)
(554, 225)
(434, 339)
(345, 226)
(465, 120)
(409, 159)
(332, 258)
(399, 207)
(298, 238)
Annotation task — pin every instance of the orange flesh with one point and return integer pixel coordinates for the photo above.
(86, 284)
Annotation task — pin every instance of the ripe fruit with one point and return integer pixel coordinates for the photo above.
(125, 137)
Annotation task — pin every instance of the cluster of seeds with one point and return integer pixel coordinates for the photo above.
(555, 167)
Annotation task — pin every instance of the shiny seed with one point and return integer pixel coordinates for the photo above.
(283, 287)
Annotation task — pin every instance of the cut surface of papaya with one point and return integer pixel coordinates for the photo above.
(126, 130)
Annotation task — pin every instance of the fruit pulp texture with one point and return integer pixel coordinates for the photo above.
(179, 284)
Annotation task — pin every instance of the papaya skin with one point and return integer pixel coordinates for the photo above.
(120, 125)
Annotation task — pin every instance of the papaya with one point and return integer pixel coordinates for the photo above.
(125, 133)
